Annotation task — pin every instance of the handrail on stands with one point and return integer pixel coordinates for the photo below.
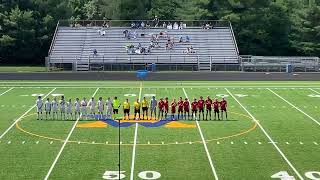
(54, 38)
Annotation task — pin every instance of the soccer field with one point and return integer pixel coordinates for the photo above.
(273, 132)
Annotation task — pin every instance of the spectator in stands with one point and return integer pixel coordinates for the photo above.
(95, 53)
(164, 25)
(187, 39)
(103, 33)
(169, 26)
(142, 25)
(156, 21)
(181, 39)
(139, 45)
(125, 33)
(175, 26)
(133, 25)
(105, 24)
(147, 25)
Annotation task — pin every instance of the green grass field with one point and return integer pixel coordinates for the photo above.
(273, 132)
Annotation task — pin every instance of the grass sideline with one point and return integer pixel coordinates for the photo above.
(22, 69)
(238, 148)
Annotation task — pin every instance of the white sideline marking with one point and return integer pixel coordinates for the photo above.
(135, 142)
(293, 106)
(14, 123)
(267, 135)
(6, 91)
(204, 144)
(314, 91)
(65, 142)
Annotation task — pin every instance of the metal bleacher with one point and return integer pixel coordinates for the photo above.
(75, 45)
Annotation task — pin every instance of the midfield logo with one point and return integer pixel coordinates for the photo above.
(104, 122)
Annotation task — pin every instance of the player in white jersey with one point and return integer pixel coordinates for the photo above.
(92, 105)
(39, 105)
(54, 106)
(77, 108)
(47, 108)
(84, 105)
(100, 107)
(109, 108)
(62, 108)
(69, 110)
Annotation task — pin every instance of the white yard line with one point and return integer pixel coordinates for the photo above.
(6, 91)
(205, 145)
(267, 135)
(134, 143)
(14, 123)
(314, 91)
(317, 122)
(65, 142)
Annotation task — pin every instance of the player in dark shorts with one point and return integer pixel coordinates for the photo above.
(166, 107)
(223, 108)
(180, 108)
(208, 103)
(173, 108)
(216, 105)
(161, 108)
(194, 108)
(144, 105)
(201, 107)
(126, 109)
(186, 108)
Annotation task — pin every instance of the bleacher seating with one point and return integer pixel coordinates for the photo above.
(76, 44)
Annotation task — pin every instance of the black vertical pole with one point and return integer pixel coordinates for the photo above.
(119, 164)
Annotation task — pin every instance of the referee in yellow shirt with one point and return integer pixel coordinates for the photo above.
(137, 109)
(126, 109)
(145, 106)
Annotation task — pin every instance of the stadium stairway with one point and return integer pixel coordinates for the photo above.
(76, 45)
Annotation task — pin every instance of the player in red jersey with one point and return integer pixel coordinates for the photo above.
(186, 108)
(180, 107)
(208, 103)
(216, 105)
(173, 108)
(223, 107)
(201, 107)
(166, 107)
(161, 108)
(194, 108)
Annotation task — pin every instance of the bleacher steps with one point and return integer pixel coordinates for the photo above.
(204, 64)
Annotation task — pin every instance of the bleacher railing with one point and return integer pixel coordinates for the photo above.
(302, 63)
(127, 23)
(54, 38)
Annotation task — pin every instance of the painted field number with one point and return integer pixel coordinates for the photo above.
(284, 175)
(121, 175)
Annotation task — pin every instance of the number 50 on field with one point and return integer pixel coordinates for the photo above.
(121, 175)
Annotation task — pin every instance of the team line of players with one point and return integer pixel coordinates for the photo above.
(198, 107)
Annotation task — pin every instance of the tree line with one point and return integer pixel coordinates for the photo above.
(262, 27)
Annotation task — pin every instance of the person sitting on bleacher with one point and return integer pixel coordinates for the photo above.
(164, 25)
(142, 25)
(175, 26)
(169, 26)
(95, 53)
(156, 21)
(187, 39)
